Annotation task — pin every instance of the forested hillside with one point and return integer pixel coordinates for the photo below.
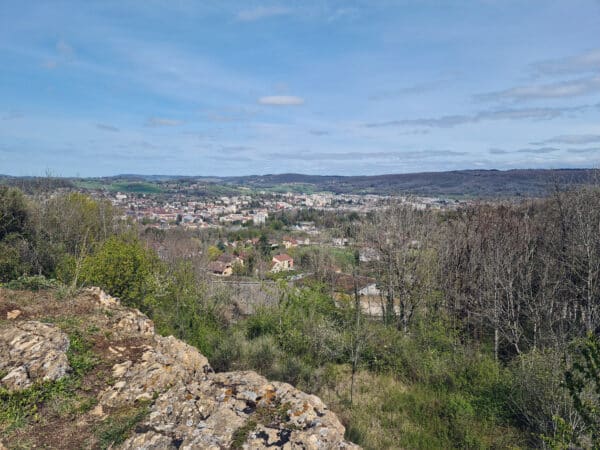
(458, 184)
(488, 317)
(470, 183)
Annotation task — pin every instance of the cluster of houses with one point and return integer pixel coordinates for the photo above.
(224, 265)
(195, 213)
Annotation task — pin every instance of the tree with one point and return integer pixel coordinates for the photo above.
(14, 213)
(15, 230)
(263, 245)
(124, 268)
(66, 229)
(399, 236)
(213, 253)
(583, 383)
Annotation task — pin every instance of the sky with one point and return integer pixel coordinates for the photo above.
(355, 87)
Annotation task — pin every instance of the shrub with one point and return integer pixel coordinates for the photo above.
(12, 264)
(32, 283)
(124, 268)
(263, 322)
(14, 214)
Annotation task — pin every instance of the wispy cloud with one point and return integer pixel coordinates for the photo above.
(12, 115)
(584, 62)
(155, 122)
(584, 150)
(281, 100)
(235, 149)
(262, 12)
(105, 127)
(501, 114)
(497, 151)
(571, 139)
(64, 54)
(539, 150)
(418, 88)
(335, 156)
(563, 89)
(344, 13)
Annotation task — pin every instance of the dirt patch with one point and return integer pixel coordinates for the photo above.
(56, 433)
(41, 304)
(134, 348)
(120, 350)
(6, 307)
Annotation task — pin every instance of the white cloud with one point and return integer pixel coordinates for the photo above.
(501, 114)
(538, 151)
(64, 54)
(261, 12)
(162, 122)
(572, 139)
(563, 89)
(281, 100)
(349, 156)
(64, 49)
(106, 127)
(584, 62)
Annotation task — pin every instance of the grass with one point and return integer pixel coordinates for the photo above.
(136, 187)
(115, 429)
(389, 414)
(89, 184)
(19, 408)
(240, 436)
(271, 415)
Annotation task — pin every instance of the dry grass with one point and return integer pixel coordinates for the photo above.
(388, 414)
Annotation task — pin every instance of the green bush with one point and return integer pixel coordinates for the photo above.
(32, 283)
(537, 394)
(12, 263)
(14, 212)
(124, 268)
(263, 322)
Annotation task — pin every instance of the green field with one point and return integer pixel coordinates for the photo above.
(134, 187)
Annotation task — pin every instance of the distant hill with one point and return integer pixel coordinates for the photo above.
(458, 183)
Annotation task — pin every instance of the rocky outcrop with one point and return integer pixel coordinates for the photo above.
(189, 406)
(239, 410)
(32, 351)
(165, 363)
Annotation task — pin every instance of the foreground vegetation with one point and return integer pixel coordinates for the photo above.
(486, 339)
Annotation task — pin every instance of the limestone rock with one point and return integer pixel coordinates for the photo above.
(190, 406)
(242, 406)
(103, 298)
(12, 315)
(162, 365)
(124, 321)
(32, 351)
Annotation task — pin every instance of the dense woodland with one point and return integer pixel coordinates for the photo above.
(489, 324)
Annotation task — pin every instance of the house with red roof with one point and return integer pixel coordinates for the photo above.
(282, 262)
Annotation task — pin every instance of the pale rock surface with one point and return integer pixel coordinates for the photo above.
(32, 351)
(190, 406)
(162, 365)
(213, 410)
(124, 321)
(12, 315)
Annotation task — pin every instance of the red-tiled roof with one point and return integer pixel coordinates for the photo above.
(283, 257)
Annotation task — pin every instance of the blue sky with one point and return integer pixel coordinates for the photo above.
(351, 87)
